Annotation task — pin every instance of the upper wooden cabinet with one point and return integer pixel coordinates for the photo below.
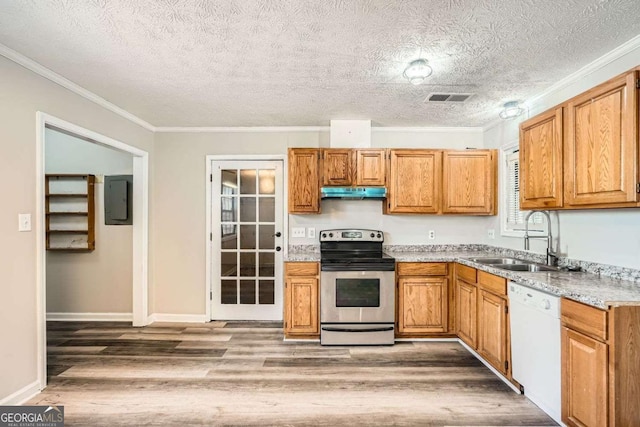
(583, 154)
(540, 171)
(337, 166)
(469, 182)
(415, 181)
(601, 149)
(304, 185)
(370, 167)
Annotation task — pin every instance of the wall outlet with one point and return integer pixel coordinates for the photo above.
(432, 234)
(491, 233)
(311, 232)
(24, 222)
(297, 231)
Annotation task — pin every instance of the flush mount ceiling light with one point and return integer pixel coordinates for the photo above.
(511, 109)
(417, 71)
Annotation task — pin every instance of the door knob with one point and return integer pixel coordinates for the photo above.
(278, 234)
(278, 248)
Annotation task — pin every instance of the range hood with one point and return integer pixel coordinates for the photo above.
(353, 193)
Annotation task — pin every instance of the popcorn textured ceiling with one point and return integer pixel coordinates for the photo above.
(305, 62)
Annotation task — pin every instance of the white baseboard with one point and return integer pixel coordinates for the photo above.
(90, 317)
(22, 395)
(177, 318)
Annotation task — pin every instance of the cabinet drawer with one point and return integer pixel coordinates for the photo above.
(301, 268)
(422, 269)
(581, 317)
(467, 274)
(492, 283)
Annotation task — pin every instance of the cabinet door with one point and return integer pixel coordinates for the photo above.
(415, 181)
(370, 168)
(601, 149)
(304, 183)
(540, 166)
(466, 312)
(301, 306)
(422, 305)
(469, 182)
(584, 380)
(492, 330)
(337, 166)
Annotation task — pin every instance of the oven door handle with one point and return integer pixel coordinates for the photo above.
(332, 329)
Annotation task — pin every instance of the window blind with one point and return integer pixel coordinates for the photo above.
(515, 217)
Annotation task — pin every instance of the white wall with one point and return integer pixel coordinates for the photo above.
(22, 94)
(99, 281)
(608, 236)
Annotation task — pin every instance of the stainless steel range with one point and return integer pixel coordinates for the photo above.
(357, 292)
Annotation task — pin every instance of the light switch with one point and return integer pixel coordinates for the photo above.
(24, 222)
(297, 231)
(311, 232)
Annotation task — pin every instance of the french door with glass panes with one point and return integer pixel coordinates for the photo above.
(247, 240)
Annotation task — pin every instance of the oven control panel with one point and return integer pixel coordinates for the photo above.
(351, 235)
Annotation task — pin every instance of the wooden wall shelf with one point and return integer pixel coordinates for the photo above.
(70, 212)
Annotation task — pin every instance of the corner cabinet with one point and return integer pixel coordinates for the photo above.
(466, 304)
(414, 181)
(70, 212)
(540, 170)
(304, 180)
(301, 302)
(422, 294)
(469, 182)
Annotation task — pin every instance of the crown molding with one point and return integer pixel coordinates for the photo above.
(48, 74)
(427, 129)
(239, 129)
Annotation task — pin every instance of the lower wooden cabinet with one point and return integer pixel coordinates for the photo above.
(423, 299)
(600, 365)
(466, 311)
(301, 302)
(493, 338)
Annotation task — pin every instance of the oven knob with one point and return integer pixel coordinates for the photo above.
(324, 235)
(330, 234)
(373, 235)
(379, 235)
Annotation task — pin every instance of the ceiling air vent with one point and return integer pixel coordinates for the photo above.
(448, 97)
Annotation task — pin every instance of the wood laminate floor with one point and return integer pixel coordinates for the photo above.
(243, 373)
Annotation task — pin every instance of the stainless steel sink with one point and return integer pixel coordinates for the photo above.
(529, 267)
(502, 261)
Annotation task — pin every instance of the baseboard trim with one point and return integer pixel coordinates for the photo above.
(177, 318)
(90, 317)
(22, 395)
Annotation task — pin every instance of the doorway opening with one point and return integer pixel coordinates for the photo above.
(139, 239)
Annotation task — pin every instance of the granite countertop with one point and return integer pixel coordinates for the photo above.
(595, 290)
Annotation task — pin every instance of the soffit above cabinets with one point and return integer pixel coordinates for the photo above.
(305, 62)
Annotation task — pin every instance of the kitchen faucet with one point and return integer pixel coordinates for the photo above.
(552, 257)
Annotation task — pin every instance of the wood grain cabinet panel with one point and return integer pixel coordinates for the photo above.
(584, 380)
(337, 166)
(422, 305)
(601, 146)
(301, 305)
(541, 173)
(304, 182)
(469, 182)
(493, 340)
(466, 311)
(371, 168)
(415, 181)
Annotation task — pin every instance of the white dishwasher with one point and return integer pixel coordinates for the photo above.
(535, 346)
